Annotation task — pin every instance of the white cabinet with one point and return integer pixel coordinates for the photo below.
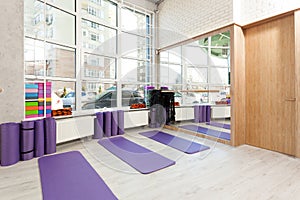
(184, 113)
(220, 111)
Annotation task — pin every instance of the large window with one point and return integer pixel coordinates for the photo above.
(200, 65)
(89, 50)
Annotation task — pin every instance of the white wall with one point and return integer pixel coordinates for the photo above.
(249, 11)
(143, 3)
(179, 20)
(11, 61)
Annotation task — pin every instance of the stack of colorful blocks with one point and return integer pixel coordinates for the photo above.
(41, 99)
(48, 99)
(31, 97)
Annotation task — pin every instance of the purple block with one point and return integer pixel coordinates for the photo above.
(107, 124)
(121, 122)
(196, 114)
(50, 135)
(39, 138)
(114, 123)
(69, 176)
(208, 113)
(98, 126)
(9, 143)
(140, 158)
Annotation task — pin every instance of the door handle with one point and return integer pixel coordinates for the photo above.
(290, 99)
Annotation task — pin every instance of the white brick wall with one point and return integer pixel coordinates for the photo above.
(249, 11)
(179, 20)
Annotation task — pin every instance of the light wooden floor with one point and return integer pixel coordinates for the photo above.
(224, 172)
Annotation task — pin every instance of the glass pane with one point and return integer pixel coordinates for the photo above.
(195, 55)
(65, 91)
(170, 74)
(64, 4)
(133, 70)
(60, 61)
(97, 38)
(219, 75)
(34, 19)
(133, 96)
(134, 21)
(196, 75)
(60, 26)
(99, 67)
(103, 11)
(34, 57)
(99, 95)
(220, 59)
(134, 46)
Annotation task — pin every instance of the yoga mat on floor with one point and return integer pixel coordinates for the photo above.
(217, 124)
(68, 176)
(178, 143)
(138, 157)
(206, 131)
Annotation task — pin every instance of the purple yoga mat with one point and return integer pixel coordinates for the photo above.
(98, 126)
(39, 138)
(114, 123)
(9, 143)
(178, 143)
(203, 113)
(206, 131)
(50, 135)
(140, 158)
(217, 124)
(196, 114)
(107, 124)
(121, 122)
(27, 140)
(68, 176)
(208, 113)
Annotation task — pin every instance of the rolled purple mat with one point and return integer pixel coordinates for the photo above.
(39, 138)
(152, 121)
(208, 113)
(204, 113)
(196, 114)
(98, 126)
(114, 123)
(9, 143)
(27, 140)
(121, 122)
(107, 124)
(50, 135)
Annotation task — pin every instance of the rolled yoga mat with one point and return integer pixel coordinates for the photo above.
(220, 125)
(208, 113)
(121, 122)
(39, 138)
(68, 176)
(206, 131)
(178, 143)
(114, 123)
(50, 135)
(196, 114)
(107, 124)
(98, 126)
(9, 143)
(138, 157)
(27, 140)
(152, 119)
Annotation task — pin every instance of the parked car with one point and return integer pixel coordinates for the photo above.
(69, 99)
(108, 99)
(186, 98)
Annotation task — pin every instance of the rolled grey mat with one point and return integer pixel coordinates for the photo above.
(196, 114)
(114, 123)
(9, 143)
(107, 124)
(98, 126)
(39, 138)
(27, 140)
(50, 135)
(152, 120)
(121, 122)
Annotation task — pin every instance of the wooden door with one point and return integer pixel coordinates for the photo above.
(270, 85)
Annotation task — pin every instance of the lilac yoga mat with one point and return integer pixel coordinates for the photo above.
(178, 143)
(140, 158)
(217, 124)
(206, 131)
(69, 176)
